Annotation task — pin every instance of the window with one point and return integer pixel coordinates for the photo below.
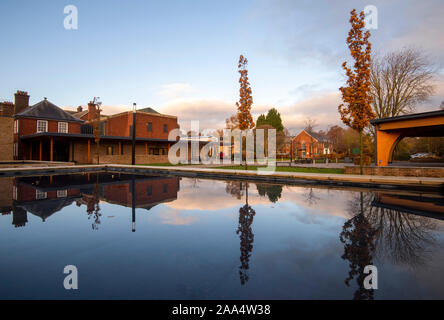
(16, 126)
(165, 188)
(15, 147)
(149, 190)
(62, 193)
(40, 195)
(63, 127)
(14, 193)
(42, 126)
(164, 152)
(165, 128)
(109, 151)
(150, 126)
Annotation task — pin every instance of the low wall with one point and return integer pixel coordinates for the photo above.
(126, 159)
(432, 172)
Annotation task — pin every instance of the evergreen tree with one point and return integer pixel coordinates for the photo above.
(274, 119)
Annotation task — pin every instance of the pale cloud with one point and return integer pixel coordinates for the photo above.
(174, 217)
(209, 113)
(176, 90)
(317, 201)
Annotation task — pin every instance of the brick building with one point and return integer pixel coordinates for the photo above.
(45, 132)
(310, 145)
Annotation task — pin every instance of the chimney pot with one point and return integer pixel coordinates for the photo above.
(21, 101)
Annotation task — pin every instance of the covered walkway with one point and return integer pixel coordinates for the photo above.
(389, 131)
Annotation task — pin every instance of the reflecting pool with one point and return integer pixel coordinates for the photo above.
(167, 237)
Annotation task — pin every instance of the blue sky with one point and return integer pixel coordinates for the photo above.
(180, 57)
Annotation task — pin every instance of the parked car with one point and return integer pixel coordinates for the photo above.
(422, 155)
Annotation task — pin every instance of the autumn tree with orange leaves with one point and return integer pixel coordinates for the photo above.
(245, 120)
(356, 111)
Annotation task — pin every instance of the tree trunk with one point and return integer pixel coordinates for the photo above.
(361, 151)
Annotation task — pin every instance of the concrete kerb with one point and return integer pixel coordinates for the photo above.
(281, 177)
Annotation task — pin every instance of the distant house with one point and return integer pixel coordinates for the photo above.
(45, 132)
(310, 145)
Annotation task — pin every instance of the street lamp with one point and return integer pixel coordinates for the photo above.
(133, 155)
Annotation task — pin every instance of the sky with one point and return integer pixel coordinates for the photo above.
(180, 57)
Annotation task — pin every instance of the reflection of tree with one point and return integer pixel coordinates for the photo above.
(400, 236)
(92, 206)
(358, 238)
(310, 197)
(376, 232)
(272, 191)
(234, 188)
(246, 214)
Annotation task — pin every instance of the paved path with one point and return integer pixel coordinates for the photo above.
(366, 180)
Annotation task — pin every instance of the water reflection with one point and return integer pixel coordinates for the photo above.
(306, 241)
(358, 238)
(272, 191)
(389, 225)
(245, 232)
(46, 195)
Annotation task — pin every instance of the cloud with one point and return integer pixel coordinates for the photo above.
(176, 90)
(209, 113)
(174, 217)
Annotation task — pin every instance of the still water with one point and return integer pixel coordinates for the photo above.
(163, 237)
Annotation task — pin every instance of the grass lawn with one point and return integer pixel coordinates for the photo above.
(289, 169)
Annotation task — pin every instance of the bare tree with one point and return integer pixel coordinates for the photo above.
(310, 124)
(399, 81)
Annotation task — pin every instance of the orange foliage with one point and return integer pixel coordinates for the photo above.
(246, 100)
(356, 111)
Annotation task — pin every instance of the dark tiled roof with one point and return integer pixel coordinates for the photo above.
(149, 110)
(318, 136)
(47, 110)
(80, 114)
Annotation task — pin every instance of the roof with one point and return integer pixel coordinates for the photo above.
(319, 137)
(409, 116)
(80, 114)
(148, 110)
(91, 136)
(47, 110)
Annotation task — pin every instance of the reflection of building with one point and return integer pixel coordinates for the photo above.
(423, 205)
(309, 145)
(44, 196)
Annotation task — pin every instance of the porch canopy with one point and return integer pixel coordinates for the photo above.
(389, 131)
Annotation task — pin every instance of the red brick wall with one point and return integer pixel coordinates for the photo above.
(120, 125)
(398, 171)
(29, 126)
(312, 145)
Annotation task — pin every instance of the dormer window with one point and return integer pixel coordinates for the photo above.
(42, 126)
(63, 127)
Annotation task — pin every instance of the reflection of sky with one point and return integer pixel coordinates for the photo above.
(189, 248)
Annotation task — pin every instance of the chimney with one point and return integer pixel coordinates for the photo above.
(92, 111)
(21, 101)
(79, 109)
(7, 109)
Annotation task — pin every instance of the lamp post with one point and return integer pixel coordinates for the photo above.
(133, 155)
